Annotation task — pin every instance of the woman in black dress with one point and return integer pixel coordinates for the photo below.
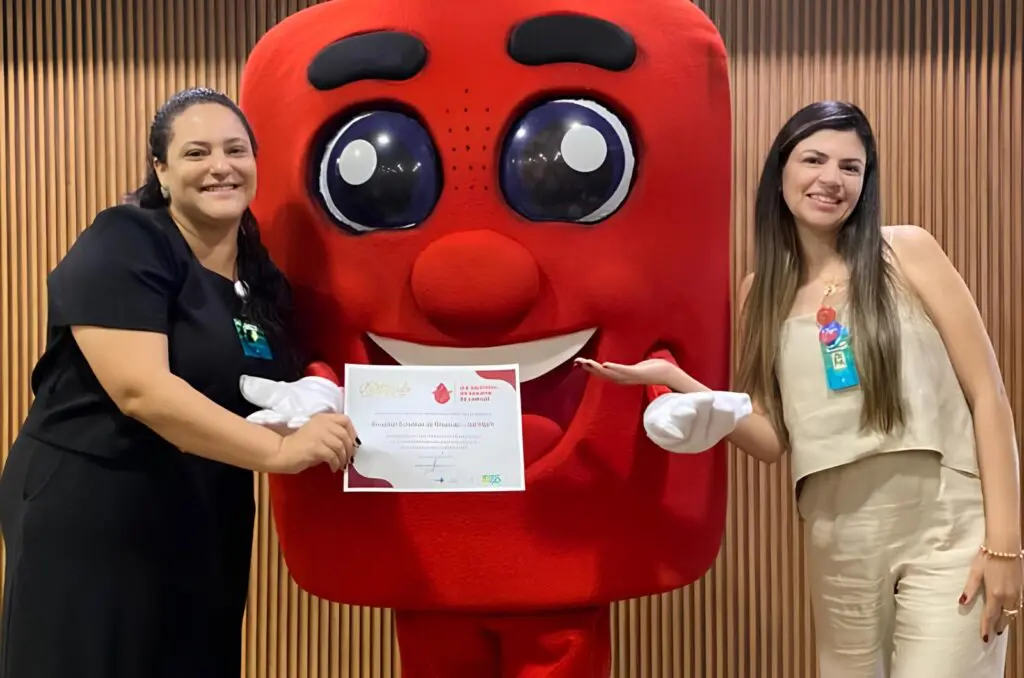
(126, 503)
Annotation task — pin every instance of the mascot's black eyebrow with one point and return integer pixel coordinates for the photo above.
(572, 38)
(381, 55)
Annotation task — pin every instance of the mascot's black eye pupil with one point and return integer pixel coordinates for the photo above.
(556, 188)
(379, 171)
(374, 183)
(566, 161)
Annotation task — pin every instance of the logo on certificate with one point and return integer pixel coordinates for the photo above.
(442, 394)
(492, 479)
(383, 389)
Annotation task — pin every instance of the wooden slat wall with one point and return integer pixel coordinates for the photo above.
(941, 80)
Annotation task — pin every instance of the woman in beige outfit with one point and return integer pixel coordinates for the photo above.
(866, 358)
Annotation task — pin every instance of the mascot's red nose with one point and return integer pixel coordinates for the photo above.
(475, 282)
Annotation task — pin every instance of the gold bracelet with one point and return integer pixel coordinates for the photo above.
(1002, 556)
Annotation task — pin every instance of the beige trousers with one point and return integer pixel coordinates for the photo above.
(890, 540)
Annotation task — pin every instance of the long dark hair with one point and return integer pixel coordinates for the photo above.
(269, 301)
(779, 267)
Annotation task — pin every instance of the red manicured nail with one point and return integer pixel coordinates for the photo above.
(963, 598)
(985, 638)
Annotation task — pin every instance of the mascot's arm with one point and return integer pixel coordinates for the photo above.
(654, 391)
(324, 371)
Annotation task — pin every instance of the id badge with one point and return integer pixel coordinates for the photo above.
(840, 366)
(254, 342)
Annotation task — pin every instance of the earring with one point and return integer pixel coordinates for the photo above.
(165, 192)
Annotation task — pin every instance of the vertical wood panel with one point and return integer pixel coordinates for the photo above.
(940, 80)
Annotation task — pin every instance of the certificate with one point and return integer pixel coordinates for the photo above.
(435, 429)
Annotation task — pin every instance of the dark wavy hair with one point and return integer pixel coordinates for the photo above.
(269, 301)
(779, 266)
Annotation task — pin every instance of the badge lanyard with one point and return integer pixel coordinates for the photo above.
(836, 349)
(253, 339)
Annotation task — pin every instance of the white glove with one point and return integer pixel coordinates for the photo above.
(689, 423)
(291, 404)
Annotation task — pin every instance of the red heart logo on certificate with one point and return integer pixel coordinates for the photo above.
(828, 335)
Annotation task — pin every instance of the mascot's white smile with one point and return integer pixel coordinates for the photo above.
(535, 358)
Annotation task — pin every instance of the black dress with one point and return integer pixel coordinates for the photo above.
(127, 558)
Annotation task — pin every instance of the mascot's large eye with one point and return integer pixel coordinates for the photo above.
(379, 171)
(567, 160)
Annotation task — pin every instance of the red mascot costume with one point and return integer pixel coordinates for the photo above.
(527, 181)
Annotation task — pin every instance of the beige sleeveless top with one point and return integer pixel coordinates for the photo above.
(824, 426)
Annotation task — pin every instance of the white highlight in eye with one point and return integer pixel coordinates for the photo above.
(584, 148)
(357, 162)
